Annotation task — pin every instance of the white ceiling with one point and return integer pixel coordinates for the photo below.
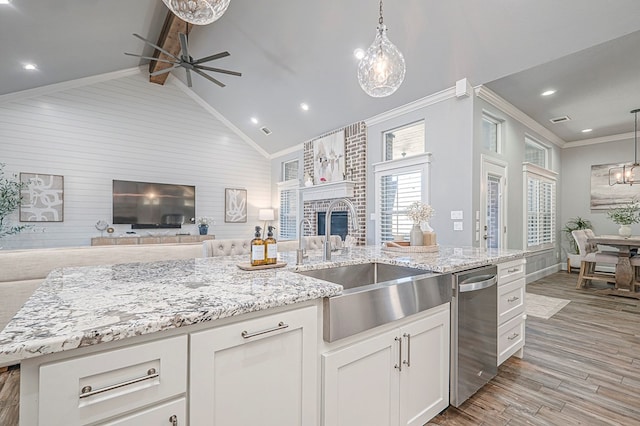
(293, 51)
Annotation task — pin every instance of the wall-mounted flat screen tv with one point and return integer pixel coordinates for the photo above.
(147, 205)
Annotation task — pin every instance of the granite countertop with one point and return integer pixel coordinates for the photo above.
(83, 306)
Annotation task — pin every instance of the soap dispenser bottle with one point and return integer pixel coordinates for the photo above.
(271, 247)
(257, 249)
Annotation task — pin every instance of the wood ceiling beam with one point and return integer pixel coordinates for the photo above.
(169, 41)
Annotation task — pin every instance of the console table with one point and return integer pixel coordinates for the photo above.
(158, 239)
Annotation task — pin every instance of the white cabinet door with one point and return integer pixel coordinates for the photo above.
(424, 380)
(361, 383)
(261, 371)
(398, 377)
(172, 413)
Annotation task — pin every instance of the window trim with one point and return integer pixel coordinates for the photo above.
(530, 140)
(403, 126)
(545, 175)
(289, 185)
(418, 162)
(499, 130)
(283, 167)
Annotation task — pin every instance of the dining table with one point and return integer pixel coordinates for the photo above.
(624, 275)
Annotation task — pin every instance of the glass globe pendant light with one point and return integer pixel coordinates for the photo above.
(198, 12)
(381, 70)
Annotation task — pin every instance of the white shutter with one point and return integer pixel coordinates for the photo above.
(540, 207)
(288, 219)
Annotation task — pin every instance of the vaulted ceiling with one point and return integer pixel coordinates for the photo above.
(291, 52)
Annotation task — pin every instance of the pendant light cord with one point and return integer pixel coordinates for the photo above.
(635, 139)
(380, 20)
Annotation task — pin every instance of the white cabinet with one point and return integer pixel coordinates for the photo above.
(260, 371)
(104, 385)
(511, 309)
(399, 377)
(172, 413)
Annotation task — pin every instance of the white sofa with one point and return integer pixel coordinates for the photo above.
(233, 247)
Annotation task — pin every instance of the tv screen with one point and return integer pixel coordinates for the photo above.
(153, 205)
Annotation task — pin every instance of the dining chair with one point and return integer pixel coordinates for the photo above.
(589, 257)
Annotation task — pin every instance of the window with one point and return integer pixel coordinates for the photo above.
(290, 170)
(540, 207)
(404, 141)
(288, 218)
(535, 153)
(491, 131)
(398, 184)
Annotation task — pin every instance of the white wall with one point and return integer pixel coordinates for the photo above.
(127, 128)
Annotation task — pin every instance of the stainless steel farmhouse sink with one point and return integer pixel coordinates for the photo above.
(377, 293)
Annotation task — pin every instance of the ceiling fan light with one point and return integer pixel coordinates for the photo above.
(381, 70)
(198, 12)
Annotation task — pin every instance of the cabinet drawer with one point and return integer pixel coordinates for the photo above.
(510, 271)
(510, 338)
(159, 415)
(96, 387)
(510, 300)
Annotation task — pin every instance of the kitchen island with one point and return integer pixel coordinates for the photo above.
(83, 318)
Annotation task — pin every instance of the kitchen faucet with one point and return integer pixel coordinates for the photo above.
(300, 251)
(326, 255)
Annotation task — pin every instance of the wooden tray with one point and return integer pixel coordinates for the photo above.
(390, 246)
(247, 266)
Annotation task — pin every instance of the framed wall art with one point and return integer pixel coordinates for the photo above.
(328, 158)
(235, 205)
(42, 198)
(605, 196)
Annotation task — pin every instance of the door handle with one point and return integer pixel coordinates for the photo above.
(408, 361)
(399, 364)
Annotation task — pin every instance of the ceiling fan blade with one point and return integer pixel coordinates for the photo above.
(183, 46)
(236, 73)
(211, 58)
(156, 46)
(188, 77)
(208, 77)
(150, 57)
(162, 71)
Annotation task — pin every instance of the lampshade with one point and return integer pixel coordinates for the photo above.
(628, 174)
(266, 214)
(381, 70)
(198, 12)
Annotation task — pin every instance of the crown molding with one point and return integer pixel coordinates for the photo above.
(412, 106)
(211, 110)
(602, 139)
(497, 101)
(66, 85)
(287, 151)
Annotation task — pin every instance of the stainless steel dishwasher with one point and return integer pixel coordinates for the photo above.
(474, 332)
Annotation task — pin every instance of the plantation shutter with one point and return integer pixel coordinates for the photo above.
(288, 210)
(540, 207)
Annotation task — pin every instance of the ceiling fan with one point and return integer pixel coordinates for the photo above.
(186, 61)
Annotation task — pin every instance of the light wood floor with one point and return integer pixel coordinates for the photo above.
(581, 367)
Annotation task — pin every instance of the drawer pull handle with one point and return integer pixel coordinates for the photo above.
(513, 299)
(512, 270)
(87, 390)
(513, 336)
(408, 361)
(399, 364)
(173, 420)
(246, 335)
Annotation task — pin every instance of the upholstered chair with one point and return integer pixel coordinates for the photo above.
(590, 257)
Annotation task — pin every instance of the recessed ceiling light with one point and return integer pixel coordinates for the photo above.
(358, 53)
(5, 1)
(254, 120)
(587, 130)
(29, 67)
(548, 92)
(304, 106)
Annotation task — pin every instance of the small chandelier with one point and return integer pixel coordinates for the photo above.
(198, 12)
(625, 175)
(381, 70)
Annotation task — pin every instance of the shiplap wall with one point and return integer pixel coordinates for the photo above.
(127, 128)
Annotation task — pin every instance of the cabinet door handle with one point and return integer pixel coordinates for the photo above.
(173, 420)
(246, 335)
(512, 270)
(408, 361)
(513, 336)
(513, 299)
(87, 391)
(399, 364)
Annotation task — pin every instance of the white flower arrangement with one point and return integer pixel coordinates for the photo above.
(204, 220)
(420, 212)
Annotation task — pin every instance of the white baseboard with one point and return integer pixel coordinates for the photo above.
(543, 273)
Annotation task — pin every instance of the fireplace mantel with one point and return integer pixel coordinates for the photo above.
(327, 191)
